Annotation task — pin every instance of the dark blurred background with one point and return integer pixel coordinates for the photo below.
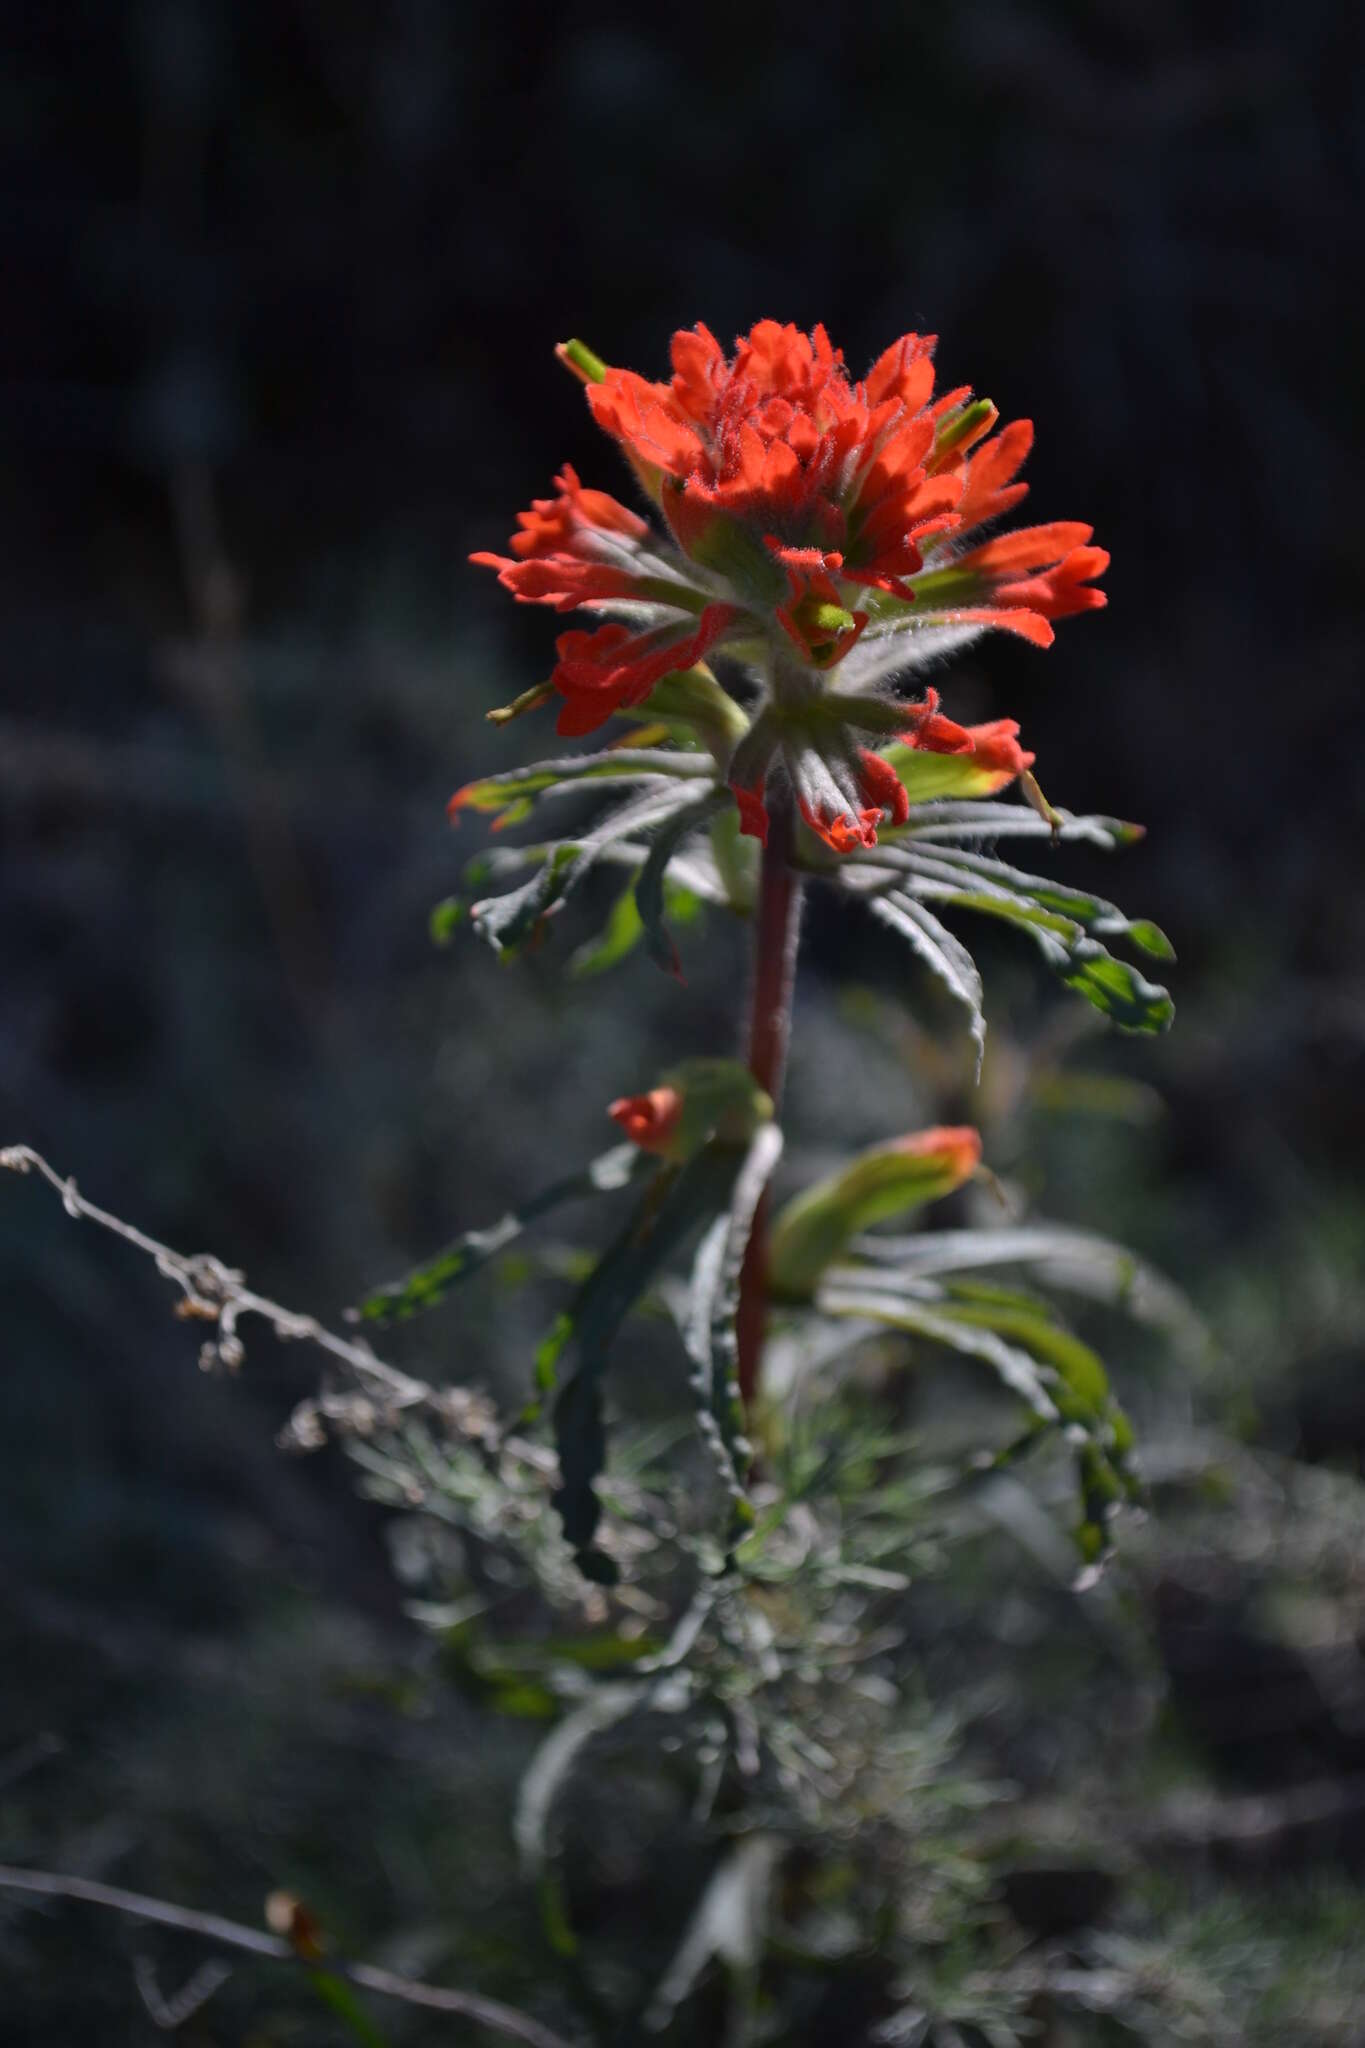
(282, 282)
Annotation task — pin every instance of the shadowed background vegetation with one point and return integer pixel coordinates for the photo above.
(283, 282)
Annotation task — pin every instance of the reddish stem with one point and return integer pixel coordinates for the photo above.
(774, 973)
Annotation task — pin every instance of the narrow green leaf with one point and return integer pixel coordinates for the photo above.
(694, 703)
(1022, 1322)
(515, 786)
(1033, 1354)
(1133, 1002)
(337, 1994)
(736, 856)
(949, 822)
(1013, 1367)
(445, 918)
(619, 937)
(624, 930)
(429, 1283)
(1077, 1261)
(581, 1441)
(553, 1763)
(942, 953)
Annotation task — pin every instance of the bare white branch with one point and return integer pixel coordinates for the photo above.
(488, 2012)
(214, 1293)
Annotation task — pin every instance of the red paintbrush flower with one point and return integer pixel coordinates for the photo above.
(815, 529)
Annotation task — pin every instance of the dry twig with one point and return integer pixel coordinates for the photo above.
(214, 1293)
(488, 2012)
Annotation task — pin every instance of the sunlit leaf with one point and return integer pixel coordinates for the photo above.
(1060, 1378)
(550, 1767)
(728, 1926)
(1024, 1322)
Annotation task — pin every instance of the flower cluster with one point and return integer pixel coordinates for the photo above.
(825, 533)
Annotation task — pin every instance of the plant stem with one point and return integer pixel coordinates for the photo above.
(770, 1006)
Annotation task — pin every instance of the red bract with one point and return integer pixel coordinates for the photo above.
(957, 1146)
(815, 528)
(600, 672)
(934, 733)
(566, 549)
(994, 746)
(649, 1121)
(880, 789)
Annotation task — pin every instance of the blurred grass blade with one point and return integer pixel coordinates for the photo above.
(337, 1994)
